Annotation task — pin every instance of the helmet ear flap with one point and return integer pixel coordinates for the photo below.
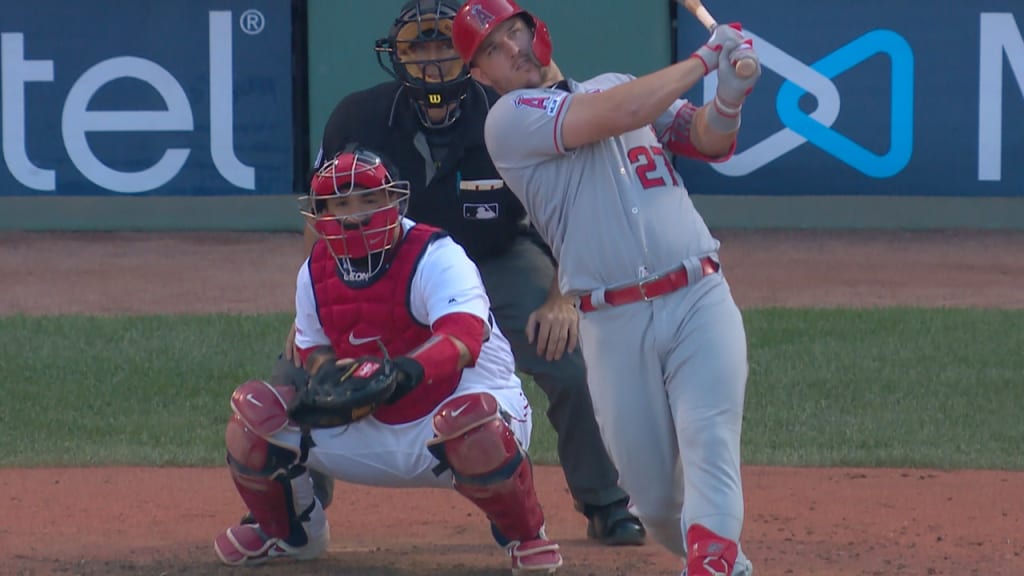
(542, 48)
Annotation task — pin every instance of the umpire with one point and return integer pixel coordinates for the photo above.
(429, 123)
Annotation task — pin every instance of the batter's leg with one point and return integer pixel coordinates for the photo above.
(706, 373)
(628, 392)
(517, 284)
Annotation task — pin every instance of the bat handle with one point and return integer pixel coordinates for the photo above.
(746, 67)
(705, 17)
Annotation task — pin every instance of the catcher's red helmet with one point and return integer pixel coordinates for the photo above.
(477, 18)
(368, 228)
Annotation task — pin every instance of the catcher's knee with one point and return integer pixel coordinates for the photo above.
(271, 478)
(473, 438)
(489, 465)
(259, 411)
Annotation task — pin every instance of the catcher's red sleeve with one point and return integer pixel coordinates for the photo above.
(439, 356)
(465, 328)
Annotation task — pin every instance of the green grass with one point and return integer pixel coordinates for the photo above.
(890, 387)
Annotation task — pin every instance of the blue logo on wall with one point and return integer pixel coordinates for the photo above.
(901, 135)
(816, 127)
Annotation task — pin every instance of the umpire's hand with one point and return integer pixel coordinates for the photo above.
(554, 327)
(290, 351)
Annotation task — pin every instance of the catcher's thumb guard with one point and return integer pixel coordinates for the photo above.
(410, 374)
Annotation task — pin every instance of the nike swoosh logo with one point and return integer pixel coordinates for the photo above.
(360, 341)
(459, 410)
(253, 399)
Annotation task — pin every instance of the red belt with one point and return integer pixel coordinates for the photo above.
(649, 288)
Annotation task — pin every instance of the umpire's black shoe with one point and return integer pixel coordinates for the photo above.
(613, 524)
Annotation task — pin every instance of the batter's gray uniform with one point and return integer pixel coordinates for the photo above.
(667, 376)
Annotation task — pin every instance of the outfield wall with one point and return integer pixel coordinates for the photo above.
(203, 115)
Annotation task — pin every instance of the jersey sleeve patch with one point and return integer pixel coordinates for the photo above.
(548, 103)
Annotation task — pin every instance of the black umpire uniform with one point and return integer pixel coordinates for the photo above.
(456, 187)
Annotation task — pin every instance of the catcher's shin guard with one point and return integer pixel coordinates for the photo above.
(490, 467)
(270, 478)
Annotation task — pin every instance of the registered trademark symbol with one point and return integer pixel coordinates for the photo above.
(251, 21)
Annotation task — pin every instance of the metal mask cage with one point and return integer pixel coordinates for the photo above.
(351, 175)
(416, 27)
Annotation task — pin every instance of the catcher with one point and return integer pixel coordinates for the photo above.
(410, 383)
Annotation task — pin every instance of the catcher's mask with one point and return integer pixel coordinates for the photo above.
(477, 18)
(357, 209)
(421, 56)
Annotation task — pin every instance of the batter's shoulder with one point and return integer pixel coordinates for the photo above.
(526, 99)
(605, 81)
(501, 117)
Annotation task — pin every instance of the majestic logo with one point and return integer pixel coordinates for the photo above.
(482, 17)
(816, 127)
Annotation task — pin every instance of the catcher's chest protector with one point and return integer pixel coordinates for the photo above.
(354, 319)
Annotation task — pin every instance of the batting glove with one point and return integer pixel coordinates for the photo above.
(720, 36)
(733, 88)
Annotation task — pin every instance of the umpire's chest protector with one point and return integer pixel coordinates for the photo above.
(356, 318)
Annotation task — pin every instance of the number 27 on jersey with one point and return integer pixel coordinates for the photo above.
(651, 174)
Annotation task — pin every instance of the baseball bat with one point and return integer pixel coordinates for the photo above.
(744, 68)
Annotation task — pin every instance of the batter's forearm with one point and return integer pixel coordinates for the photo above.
(641, 101)
(712, 133)
(628, 106)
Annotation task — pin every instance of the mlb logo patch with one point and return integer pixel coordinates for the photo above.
(480, 211)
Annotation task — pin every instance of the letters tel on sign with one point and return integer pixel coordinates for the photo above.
(77, 120)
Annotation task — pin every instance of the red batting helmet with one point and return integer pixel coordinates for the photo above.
(371, 229)
(477, 18)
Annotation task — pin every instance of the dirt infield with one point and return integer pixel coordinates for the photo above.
(799, 521)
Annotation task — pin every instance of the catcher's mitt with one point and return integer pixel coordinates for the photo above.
(338, 395)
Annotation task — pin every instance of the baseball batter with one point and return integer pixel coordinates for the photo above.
(663, 338)
(458, 418)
